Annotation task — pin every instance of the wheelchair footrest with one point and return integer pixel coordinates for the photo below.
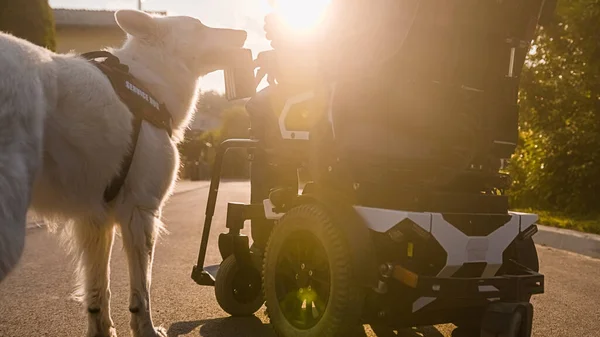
(206, 276)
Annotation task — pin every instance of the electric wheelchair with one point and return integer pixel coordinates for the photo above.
(403, 221)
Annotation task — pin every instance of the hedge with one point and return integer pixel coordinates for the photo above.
(32, 20)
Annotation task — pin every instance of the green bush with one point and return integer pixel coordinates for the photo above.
(32, 20)
(234, 124)
(557, 165)
(588, 223)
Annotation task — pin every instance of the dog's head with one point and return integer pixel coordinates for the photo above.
(184, 38)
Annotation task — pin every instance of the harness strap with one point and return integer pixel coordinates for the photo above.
(113, 189)
(140, 101)
(141, 104)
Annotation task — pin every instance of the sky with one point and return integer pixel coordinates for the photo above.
(239, 14)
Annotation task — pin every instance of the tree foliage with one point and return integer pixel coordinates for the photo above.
(557, 165)
(234, 124)
(32, 20)
(213, 104)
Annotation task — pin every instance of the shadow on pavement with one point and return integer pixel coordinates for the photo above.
(427, 331)
(236, 326)
(223, 327)
(254, 327)
(183, 328)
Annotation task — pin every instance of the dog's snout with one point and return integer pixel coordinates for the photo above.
(231, 37)
(236, 37)
(240, 37)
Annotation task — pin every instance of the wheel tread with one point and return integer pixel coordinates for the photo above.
(346, 293)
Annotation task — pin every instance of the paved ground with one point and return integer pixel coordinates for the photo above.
(34, 300)
(35, 221)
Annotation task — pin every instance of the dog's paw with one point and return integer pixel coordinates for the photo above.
(153, 332)
(159, 332)
(111, 332)
(162, 332)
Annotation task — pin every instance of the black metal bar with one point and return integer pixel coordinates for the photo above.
(235, 217)
(214, 189)
(508, 286)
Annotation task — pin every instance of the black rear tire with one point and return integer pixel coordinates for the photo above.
(238, 289)
(307, 277)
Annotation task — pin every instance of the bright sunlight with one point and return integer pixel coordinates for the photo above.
(301, 15)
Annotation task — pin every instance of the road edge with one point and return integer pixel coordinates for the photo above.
(566, 239)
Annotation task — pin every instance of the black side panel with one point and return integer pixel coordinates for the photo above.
(477, 224)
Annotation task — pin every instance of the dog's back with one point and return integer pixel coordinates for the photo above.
(22, 111)
(87, 134)
(69, 106)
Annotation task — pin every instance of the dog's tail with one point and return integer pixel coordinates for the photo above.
(22, 110)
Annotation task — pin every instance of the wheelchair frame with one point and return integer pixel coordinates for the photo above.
(514, 287)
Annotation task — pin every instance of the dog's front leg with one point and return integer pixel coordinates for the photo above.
(93, 242)
(139, 237)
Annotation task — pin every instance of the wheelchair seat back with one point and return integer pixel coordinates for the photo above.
(444, 110)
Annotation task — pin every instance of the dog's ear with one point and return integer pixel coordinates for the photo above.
(136, 23)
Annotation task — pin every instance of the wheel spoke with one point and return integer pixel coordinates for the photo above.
(308, 313)
(297, 250)
(288, 302)
(286, 280)
(320, 264)
(290, 262)
(299, 310)
(322, 291)
(320, 280)
(316, 311)
(321, 305)
(322, 284)
(286, 269)
(315, 257)
(284, 289)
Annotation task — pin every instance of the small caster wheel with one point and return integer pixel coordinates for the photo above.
(512, 330)
(238, 290)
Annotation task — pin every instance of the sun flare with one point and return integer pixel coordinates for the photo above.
(302, 15)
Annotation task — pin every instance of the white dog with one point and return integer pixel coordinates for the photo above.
(64, 134)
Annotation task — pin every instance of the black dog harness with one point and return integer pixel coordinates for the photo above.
(140, 102)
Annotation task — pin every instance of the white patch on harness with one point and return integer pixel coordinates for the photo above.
(142, 94)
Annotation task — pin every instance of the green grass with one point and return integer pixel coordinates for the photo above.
(588, 224)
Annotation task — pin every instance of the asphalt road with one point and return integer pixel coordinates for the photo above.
(35, 299)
